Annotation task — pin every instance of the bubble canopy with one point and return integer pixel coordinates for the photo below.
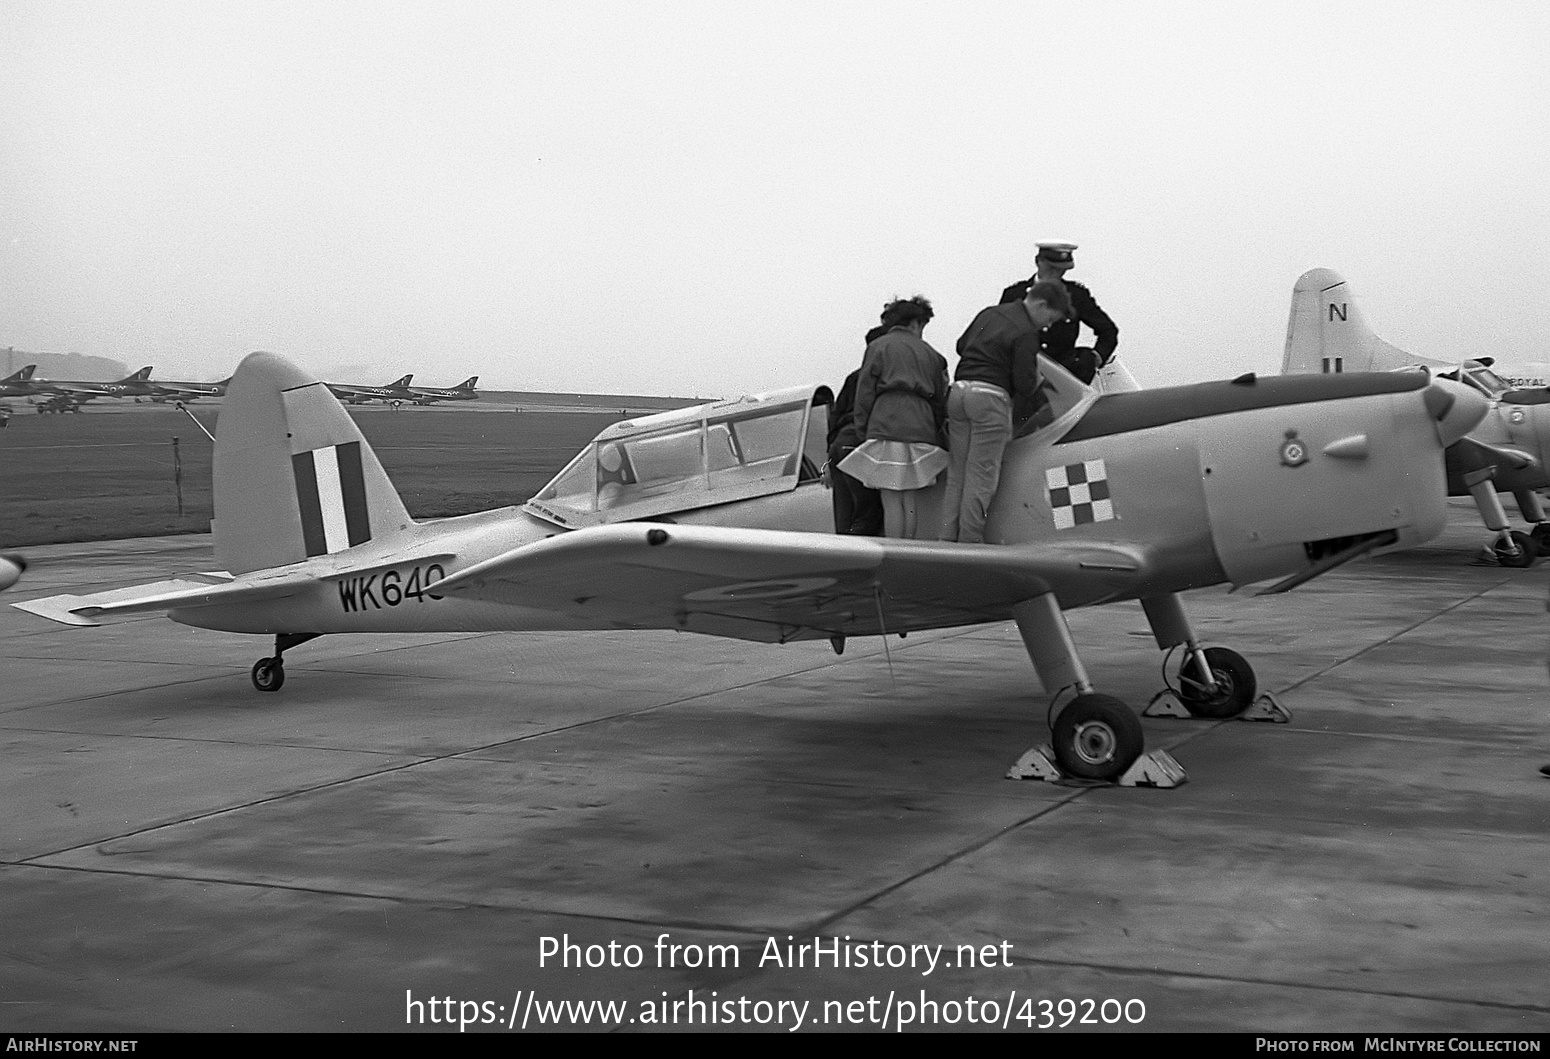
(691, 458)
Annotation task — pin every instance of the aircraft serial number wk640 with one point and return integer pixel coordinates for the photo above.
(364, 593)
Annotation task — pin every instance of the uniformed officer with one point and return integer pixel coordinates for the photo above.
(1053, 261)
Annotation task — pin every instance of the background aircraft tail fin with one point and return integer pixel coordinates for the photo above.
(1326, 332)
(400, 384)
(470, 383)
(139, 376)
(21, 376)
(293, 475)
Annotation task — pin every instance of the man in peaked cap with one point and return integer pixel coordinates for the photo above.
(1053, 261)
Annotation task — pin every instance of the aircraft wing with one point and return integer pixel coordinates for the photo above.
(777, 586)
(1469, 455)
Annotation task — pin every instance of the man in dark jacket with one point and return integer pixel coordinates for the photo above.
(1054, 260)
(996, 385)
(857, 509)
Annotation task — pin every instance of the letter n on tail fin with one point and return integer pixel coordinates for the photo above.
(1327, 333)
(293, 476)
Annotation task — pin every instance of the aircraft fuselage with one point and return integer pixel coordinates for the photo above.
(1217, 482)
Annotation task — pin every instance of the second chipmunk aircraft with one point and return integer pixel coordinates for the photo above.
(713, 520)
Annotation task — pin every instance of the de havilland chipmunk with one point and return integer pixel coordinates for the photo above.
(1508, 452)
(714, 520)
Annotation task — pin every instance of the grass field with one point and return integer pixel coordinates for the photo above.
(105, 476)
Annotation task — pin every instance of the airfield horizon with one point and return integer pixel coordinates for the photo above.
(109, 473)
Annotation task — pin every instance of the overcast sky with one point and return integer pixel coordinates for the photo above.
(711, 198)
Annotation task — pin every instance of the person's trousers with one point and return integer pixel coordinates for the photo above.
(857, 509)
(979, 425)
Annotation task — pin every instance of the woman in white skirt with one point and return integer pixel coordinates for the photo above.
(901, 401)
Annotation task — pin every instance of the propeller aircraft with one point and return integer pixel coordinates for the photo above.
(714, 520)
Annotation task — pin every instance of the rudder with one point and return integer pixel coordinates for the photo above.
(293, 475)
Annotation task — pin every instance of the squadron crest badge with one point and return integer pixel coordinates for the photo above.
(1079, 494)
(1293, 452)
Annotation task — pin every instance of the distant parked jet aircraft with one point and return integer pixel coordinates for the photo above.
(67, 395)
(171, 390)
(19, 384)
(463, 391)
(350, 393)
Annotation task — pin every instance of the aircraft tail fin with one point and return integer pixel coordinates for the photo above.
(471, 383)
(140, 376)
(293, 475)
(400, 384)
(1326, 332)
(22, 376)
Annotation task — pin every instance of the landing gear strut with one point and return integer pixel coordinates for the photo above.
(269, 673)
(1231, 687)
(1094, 737)
(1511, 548)
(1213, 682)
(1515, 549)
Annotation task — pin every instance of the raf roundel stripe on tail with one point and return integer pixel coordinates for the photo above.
(331, 492)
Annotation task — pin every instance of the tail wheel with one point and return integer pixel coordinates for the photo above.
(1097, 737)
(268, 674)
(1527, 552)
(1235, 684)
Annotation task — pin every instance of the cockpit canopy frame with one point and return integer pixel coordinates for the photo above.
(691, 458)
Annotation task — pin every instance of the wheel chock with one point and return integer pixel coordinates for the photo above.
(1155, 769)
(1266, 708)
(1166, 704)
(1036, 764)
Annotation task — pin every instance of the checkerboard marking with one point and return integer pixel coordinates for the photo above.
(1079, 494)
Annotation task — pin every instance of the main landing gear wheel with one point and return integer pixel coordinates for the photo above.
(1235, 684)
(268, 674)
(1527, 552)
(1097, 737)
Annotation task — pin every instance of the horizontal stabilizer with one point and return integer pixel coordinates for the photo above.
(158, 596)
(220, 589)
(775, 586)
